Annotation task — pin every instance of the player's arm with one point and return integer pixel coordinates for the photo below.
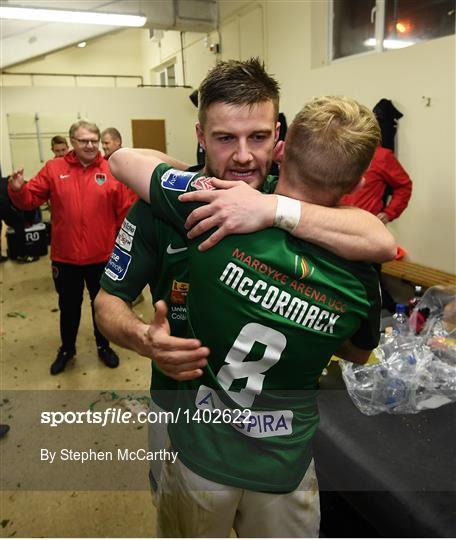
(178, 358)
(237, 208)
(135, 166)
(350, 352)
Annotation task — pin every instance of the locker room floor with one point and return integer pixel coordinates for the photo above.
(29, 343)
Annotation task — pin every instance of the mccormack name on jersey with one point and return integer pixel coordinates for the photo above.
(271, 298)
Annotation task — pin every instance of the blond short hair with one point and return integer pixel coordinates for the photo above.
(85, 124)
(330, 144)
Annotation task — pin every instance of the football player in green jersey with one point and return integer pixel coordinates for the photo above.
(156, 254)
(272, 310)
(240, 146)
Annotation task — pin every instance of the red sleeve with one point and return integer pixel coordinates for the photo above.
(125, 198)
(399, 181)
(35, 192)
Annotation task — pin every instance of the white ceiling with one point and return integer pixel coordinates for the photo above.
(22, 40)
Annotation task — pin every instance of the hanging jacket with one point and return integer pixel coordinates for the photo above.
(88, 206)
(387, 116)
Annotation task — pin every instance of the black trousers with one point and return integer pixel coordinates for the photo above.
(14, 218)
(388, 302)
(69, 280)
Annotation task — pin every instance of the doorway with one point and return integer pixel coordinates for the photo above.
(149, 134)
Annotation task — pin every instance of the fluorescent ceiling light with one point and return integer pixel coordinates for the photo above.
(74, 17)
(82, 44)
(389, 43)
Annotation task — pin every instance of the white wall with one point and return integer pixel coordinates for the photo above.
(115, 53)
(108, 107)
(191, 56)
(292, 38)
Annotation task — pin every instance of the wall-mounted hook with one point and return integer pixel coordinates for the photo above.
(426, 101)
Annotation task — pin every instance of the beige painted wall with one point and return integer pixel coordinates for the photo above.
(191, 62)
(117, 53)
(290, 36)
(293, 41)
(108, 107)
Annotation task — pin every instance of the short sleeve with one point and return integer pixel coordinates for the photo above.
(165, 187)
(134, 259)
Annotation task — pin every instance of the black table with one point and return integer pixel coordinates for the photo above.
(384, 475)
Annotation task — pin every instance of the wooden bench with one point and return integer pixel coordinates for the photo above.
(418, 274)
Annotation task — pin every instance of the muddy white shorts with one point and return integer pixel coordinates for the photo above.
(189, 505)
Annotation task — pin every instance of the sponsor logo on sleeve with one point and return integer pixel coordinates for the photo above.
(100, 178)
(179, 292)
(128, 227)
(118, 264)
(203, 183)
(124, 240)
(176, 180)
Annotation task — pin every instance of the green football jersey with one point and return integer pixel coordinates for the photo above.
(272, 309)
(150, 252)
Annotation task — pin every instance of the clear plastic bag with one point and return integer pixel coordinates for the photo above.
(414, 372)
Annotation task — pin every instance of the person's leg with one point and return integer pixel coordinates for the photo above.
(92, 276)
(69, 284)
(288, 515)
(189, 506)
(15, 218)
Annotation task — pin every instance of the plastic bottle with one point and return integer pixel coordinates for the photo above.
(417, 317)
(418, 293)
(400, 323)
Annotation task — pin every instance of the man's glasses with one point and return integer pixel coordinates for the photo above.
(86, 142)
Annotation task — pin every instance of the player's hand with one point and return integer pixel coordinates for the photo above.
(178, 358)
(383, 217)
(234, 208)
(16, 180)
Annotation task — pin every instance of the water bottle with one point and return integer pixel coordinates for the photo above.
(418, 293)
(417, 317)
(400, 324)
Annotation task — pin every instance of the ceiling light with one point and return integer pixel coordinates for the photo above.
(74, 17)
(82, 44)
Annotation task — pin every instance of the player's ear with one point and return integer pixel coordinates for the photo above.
(277, 132)
(279, 149)
(200, 135)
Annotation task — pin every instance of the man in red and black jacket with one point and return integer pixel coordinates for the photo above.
(88, 206)
(385, 192)
(385, 173)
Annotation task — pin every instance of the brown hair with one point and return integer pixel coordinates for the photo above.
(115, 134)
(330, 143)
(58, 139)
(89, 126)
(237, 83)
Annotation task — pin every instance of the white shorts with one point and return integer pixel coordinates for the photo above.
(158, 440)
(189, 505)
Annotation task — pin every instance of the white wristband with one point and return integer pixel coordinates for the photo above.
(288, 213)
